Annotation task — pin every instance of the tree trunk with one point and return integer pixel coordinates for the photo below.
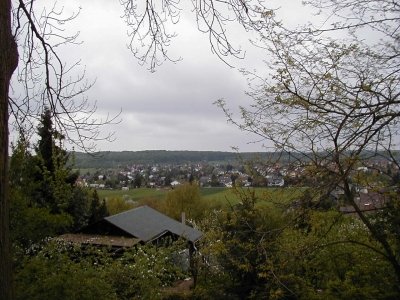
(8, 63)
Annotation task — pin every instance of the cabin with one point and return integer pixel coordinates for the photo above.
(141, 225)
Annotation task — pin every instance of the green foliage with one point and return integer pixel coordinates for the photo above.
(29, 225)
(142, 273)
(50, 273)
(132, 194)
(336, 259)
(98, 210)
(257, 245)
(46, 145)
(78, 207)
(61, 279)
(29, 222)
(387, 221)
(53, 178)
(137, 182)
(53, 189)
(255, 251)
(214, 181)
(118, 205)
(44, 198)
(308, 105)
(114, 159)
(60, 271)
(212, 196)
(21, 165)
(242, 243)
(186, 199)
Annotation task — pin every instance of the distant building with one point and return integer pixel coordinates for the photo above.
(366, 202)
(276, 181)
(175, 183)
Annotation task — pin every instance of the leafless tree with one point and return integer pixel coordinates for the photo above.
(333, 95)
(43, 79)
(150, 23)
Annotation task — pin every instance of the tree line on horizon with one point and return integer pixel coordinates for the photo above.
(115, 159)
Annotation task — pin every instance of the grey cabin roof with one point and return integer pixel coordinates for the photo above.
(146, 224)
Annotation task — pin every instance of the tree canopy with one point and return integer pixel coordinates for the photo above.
(333, 96)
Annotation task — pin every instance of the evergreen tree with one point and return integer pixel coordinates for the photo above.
(97, 210)
(46, 143)
(21, 166)
(249, 236)
(78, 207)
(46, 182)
(214, 180)
(28, 222)
(55, 179)
(191, 178)
(137, 182)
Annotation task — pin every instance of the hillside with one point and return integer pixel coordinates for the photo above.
(111, 159)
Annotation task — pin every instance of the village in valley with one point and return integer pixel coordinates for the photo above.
(241, 150)
(205, 174)
(240, 175)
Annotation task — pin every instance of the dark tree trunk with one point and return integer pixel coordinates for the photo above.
(8, 63)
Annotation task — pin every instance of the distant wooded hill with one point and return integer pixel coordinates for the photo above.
(112, 159)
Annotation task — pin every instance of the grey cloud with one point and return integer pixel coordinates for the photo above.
(170, 109)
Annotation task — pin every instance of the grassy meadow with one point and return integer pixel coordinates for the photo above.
(215, 196)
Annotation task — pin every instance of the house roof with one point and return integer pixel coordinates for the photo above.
(146, 224)
(95, 239)
(366, 202)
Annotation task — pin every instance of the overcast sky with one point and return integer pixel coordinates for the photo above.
(171, 109)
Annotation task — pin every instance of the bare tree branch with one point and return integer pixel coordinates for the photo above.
(47, 81)
(150, 34)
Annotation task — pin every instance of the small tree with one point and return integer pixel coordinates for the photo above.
(46, 184)
(29, 223)
(98, 210)
(137, 182)
(186, 199)
(54, 178)
(241, 249)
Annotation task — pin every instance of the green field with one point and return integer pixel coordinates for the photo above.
(133, 194)
(221, 196)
